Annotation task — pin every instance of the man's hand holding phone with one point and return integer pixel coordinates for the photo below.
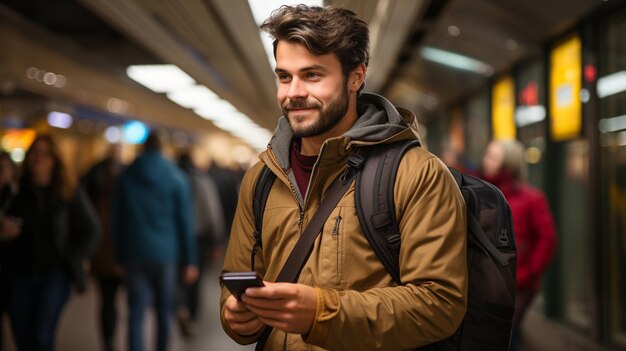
(240, 319)
(285, 306)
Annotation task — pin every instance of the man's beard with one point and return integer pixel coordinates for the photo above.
(329, 116)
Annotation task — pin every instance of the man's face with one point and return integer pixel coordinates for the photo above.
(312, 90)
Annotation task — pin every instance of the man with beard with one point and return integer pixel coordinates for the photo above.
(344, 299)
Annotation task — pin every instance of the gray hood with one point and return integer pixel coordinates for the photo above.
(378, 121)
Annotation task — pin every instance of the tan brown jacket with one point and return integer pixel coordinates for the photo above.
(359, 305)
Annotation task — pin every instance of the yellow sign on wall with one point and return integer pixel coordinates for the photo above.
(503, 109)
(565, 84)
(17, 139)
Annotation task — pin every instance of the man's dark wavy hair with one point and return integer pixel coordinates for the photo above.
(322, 30)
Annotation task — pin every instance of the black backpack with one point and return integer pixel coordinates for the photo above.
(491, 250)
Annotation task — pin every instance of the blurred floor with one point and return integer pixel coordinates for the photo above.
(78, 328)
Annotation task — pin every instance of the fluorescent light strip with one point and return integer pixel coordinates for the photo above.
(183, 90)
(455, 60)
(611, 84)
(621, 138)
(526, 115)
(614, 124)
(60, 120)
(214, 110)
(160, 78)
(196, 96)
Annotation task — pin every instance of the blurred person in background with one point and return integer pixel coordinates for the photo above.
(54, 229)
(8, 177)
(153, 237)
(227, 182)
(210, 230)
(100, 183)
(535, 233)
(454, 157)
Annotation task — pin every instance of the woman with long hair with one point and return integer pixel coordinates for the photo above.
(8, 186)
(52, 229)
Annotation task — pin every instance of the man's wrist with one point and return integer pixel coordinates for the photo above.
(253, 334)
(328, 307)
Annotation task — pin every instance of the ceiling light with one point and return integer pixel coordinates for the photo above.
(113, 134)
(60, 120)
(526, 115)
(135, 132)
(31, 72)
(183, 90)
(612, 84)
(49, 78)
(215, 109)
(456, 61)
(614, 124)
(18, 155)
(454, 31)
(159, 78)
(116, 105)
(61, 81)
(195, 96)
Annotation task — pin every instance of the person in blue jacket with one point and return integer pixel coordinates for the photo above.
(153, 238)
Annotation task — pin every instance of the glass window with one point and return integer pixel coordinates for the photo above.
(574, 234)
(611, 90)
(569, 289)
(530, 117)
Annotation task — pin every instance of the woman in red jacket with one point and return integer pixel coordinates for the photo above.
(535, 234)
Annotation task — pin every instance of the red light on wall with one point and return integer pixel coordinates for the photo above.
(529, 96)
(590, 72)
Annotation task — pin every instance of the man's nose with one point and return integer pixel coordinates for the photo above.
(297, 90)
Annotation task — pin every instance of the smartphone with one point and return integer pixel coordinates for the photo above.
(238, 282)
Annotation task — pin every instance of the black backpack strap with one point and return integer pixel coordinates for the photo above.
(375, 206)
(262, 188)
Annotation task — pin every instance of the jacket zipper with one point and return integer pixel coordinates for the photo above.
(291, 187)
(335, 235)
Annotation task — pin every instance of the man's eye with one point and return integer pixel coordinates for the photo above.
(312, 75)
(283, 77)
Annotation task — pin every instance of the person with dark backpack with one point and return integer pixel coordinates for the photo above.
(492, 256)
(324, 284)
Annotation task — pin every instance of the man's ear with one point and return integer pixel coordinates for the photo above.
(356, 78)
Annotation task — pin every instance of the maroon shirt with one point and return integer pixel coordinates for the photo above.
(302, 166)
